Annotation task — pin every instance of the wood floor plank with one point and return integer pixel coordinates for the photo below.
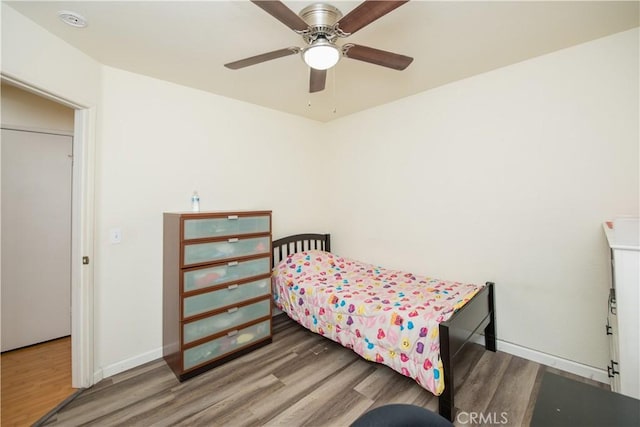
(313, 405)
(465, 362)
(343, 410)
(210, 388)
(34, 381)
(483, 381)
(300, 379)
(425, 400)
(512, 396)
(387, 386)
(312, 368)
(127, 414)
(236, 409)
(118, 396)
(374, 384)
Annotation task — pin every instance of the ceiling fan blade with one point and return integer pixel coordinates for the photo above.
(377, 56)
(262, 58)
(282, 13)
(365, 13)
(317, 80)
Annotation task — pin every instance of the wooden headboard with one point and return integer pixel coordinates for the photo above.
(298, 243)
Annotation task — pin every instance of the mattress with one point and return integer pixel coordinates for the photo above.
(386, 316)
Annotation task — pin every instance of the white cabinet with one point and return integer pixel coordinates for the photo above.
(623, 320)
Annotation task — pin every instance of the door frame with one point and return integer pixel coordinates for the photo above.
(82, 233)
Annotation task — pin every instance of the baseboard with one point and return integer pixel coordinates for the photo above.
(97, 377)
(566, 365)
(126, 364)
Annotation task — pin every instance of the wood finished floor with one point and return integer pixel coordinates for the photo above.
(35, 380)
(301, 379)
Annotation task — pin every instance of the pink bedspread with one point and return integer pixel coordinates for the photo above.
(386, 316)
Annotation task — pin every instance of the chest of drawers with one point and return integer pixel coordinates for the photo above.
(216, 288)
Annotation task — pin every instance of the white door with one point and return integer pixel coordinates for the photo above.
(36, 237)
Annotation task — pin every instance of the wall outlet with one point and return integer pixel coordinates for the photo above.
(115, 235)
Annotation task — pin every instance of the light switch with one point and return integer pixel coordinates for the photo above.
(115, 235)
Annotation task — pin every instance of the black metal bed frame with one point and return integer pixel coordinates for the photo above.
(475, 317)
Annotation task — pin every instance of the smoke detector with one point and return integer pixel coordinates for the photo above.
(72, 18)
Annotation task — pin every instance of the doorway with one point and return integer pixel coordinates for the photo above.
(36, 180)
(82, 223)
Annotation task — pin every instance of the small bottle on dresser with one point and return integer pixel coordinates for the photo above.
(195, 202)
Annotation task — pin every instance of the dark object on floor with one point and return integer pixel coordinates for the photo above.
(565, 402)
(401, 415)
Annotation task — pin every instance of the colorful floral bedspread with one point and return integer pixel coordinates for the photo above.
(390, 317)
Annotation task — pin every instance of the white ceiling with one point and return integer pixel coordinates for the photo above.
(188, 42)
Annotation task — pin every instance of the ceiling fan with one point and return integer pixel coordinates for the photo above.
(320, 26)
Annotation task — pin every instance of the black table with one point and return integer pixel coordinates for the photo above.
(566, 403)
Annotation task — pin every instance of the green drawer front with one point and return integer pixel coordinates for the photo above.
(226, 273)
(231, 225)
(218, 251)
(230, 295)
(233, 317)
(224, 345)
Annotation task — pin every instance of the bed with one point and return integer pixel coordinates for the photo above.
(414, 324)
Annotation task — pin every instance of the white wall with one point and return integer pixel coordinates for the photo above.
(27, 111)
(159, 143)
(506, 176)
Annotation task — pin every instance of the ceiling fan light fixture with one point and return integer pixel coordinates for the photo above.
(321, 55)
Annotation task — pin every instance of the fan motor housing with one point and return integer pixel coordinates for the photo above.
(320, 14)
(321, 19)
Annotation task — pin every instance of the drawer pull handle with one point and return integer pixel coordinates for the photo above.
(232, 287)
(609, 332)
(232, 333)
(232, 263)
(233, 240)
(232, 217)
(232, 310)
